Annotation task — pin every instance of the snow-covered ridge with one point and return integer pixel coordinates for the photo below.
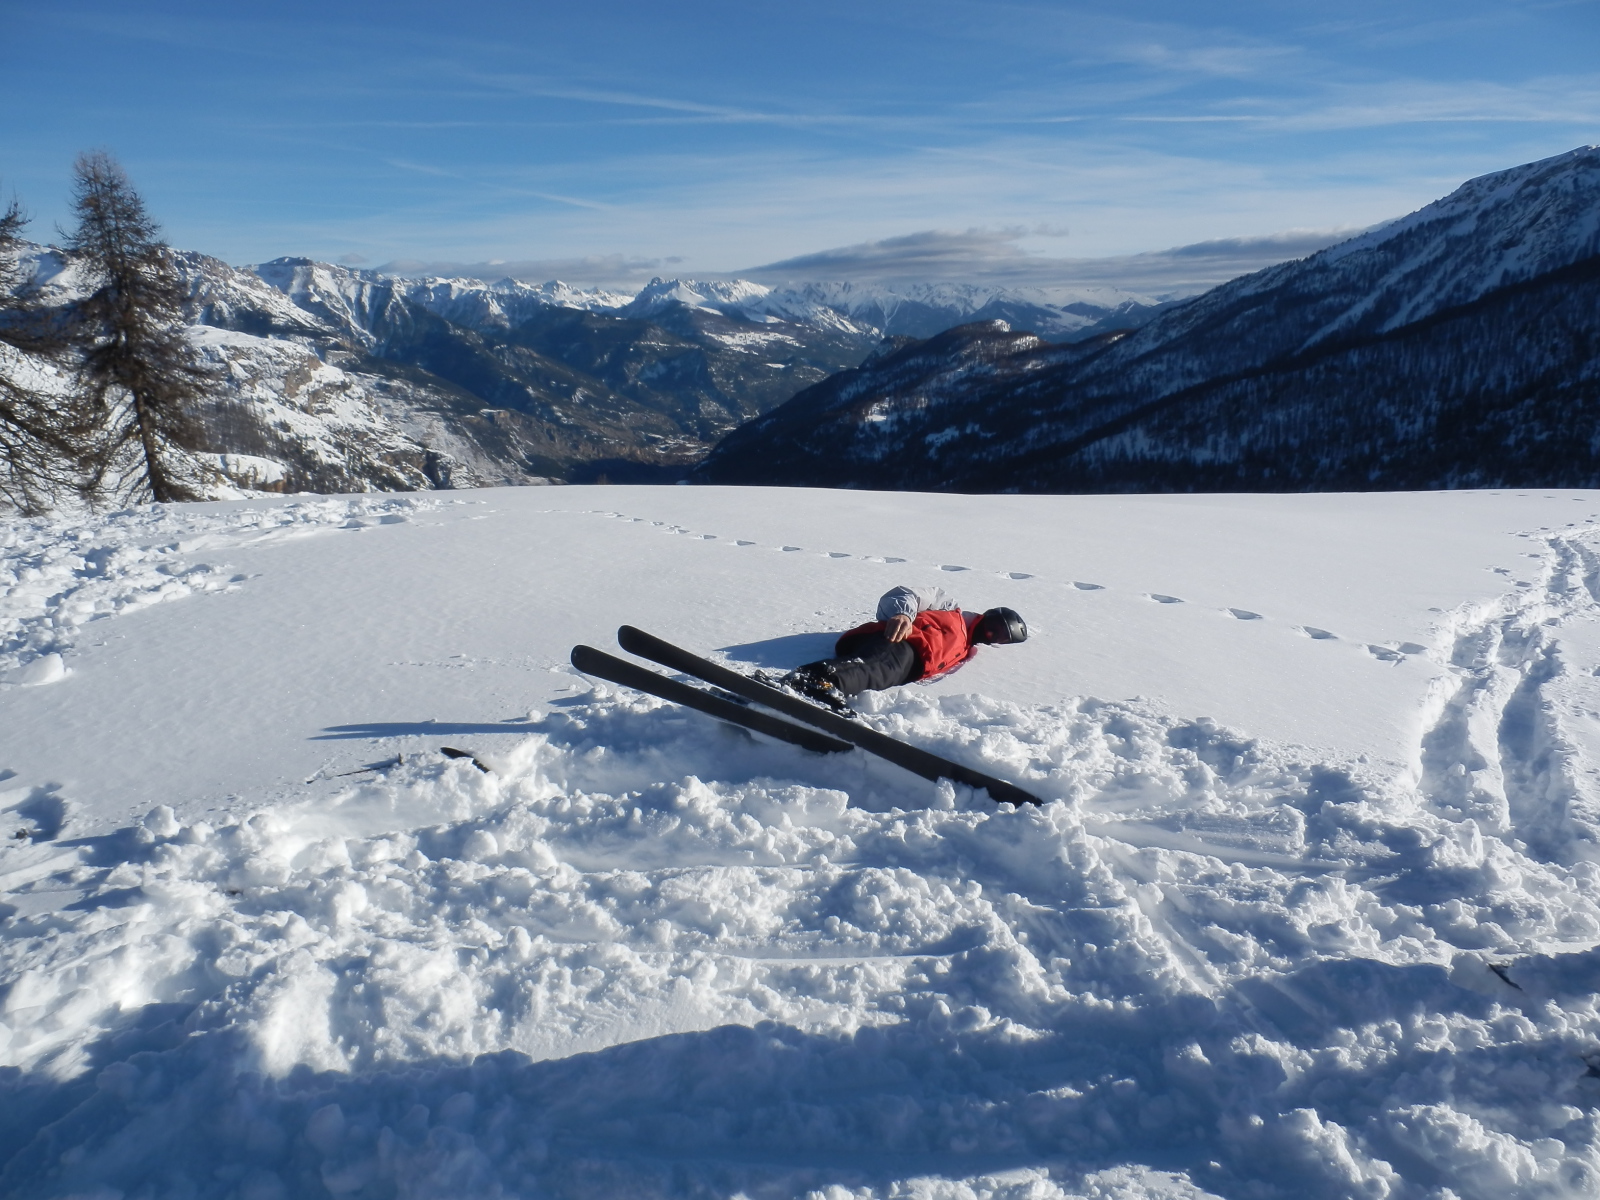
(355, 299)
(1492, 231)
(1496, 230)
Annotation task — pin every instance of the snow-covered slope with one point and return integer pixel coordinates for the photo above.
(1495, 230)
(1311, 910)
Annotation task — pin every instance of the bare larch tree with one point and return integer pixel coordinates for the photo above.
(139, 372)
(45, 430)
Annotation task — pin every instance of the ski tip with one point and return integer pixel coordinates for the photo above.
(452, 752)
(1009, 793)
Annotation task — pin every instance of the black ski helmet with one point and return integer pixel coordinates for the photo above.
(1000, 626)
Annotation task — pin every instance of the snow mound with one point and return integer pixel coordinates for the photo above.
(603, 969)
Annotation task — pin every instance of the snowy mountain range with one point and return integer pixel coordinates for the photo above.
(1455, 347)
(335, 379)
(908, 310)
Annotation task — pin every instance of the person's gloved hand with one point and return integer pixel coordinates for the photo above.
(897, 628)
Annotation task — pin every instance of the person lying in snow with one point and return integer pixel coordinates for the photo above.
(919, 633)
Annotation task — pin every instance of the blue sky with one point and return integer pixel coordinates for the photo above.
(620, 139)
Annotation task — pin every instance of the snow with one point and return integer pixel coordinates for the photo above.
(1311, 910)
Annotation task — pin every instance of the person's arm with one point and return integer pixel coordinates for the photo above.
(898, 606)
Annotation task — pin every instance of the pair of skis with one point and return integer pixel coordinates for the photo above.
(821, 731)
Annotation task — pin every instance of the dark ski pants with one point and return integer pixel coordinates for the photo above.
(870, 662)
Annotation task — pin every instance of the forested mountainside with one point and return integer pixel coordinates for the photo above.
(1456, 347)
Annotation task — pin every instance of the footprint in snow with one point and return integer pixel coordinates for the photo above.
(954, 568)
(742, 542)
(1089, 587)
(837, 554)
(1160, 599)
(1396, 652)
(1244, 614)
(790, 549)
(1015, 575)
(1321, 635)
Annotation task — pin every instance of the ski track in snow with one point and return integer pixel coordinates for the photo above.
(650, 955)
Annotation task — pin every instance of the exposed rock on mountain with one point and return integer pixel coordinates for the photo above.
(1456, 347)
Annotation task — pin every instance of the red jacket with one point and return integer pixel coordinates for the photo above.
(941, 637)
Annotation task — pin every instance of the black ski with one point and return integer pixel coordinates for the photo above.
(597, 662)
(912, 758)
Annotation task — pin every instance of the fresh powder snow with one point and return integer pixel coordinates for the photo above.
(1310, 909)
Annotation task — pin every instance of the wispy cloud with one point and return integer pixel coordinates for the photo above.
(683, 111)
(552, 197)
(1571, 100)
(421, 168)
(1237, 60)
(599, 142)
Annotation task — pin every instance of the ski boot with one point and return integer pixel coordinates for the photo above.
(815, 681)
